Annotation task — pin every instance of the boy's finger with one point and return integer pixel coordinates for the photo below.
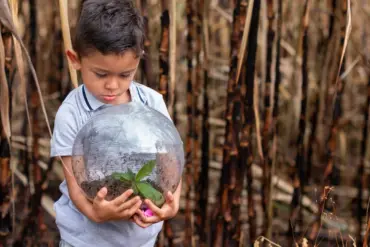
(129, 204)
(123, 197)
(102, 193)
(140, 223)
(149, 220)
(135, 208)
(140, 213)
(134, 204)
(156, 210)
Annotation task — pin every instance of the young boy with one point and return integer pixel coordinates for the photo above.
(108, 47)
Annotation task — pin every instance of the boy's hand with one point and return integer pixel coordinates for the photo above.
(168, 210)
(118, 209)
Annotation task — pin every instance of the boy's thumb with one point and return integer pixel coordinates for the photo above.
(169, 197)
(102, 193)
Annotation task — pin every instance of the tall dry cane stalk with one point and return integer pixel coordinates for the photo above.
(4, 92)
(202, 217)
(361, 181)
(365, 134)
(316, 226)
(312, 138)
(146, 62)
(339, 86)
(35, 218)
(245, 148)
(197, 32)
(165, 62)
(6, 224)
(172, 57)
(164, 54)
(268, 113)
(298, 177)
(190, 124)
(323, 111)
(275, 113)
(197, 91)
(221, 214)
(63, 7)
(7, 22)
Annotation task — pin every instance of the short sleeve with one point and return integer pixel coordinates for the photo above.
(160, 106)
(65, 131)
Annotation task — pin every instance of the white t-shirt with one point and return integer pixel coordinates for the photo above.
(75, 228)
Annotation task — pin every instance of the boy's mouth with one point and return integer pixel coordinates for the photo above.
(109, 97)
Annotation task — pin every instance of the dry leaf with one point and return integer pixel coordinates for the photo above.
(7, 21)
(244, 43)
(4, 93)
(18, 51)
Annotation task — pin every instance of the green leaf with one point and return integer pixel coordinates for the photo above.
(147, 191)
(131, 174)
(145, 170)
(124, 177)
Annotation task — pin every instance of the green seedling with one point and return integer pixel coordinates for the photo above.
(139, 186)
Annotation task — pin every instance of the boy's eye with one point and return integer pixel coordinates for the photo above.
(125, 75)
(101, 75)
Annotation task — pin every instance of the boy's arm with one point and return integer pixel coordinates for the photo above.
(75, 193)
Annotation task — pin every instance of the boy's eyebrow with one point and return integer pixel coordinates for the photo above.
(107, 71)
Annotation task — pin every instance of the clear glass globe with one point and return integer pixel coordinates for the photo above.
(128, 146)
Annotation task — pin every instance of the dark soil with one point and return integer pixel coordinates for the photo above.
(115, 187)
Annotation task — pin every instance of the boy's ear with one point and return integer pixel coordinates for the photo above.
(74, 59)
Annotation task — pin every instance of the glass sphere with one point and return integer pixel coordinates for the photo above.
(128, 146)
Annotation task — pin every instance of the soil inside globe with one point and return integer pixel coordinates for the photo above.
(115, 187)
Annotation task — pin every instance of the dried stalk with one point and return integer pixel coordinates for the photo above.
(316, 226)
(164, 59)
(203, 181)
(190, 126)
(243, 46)
(63, 6)
(245, 148)
(221, 214)
(361, 173)
(197, 92)
(299, 176)
(324, 88)
(6, 20)
(35, 218)
(146, 62)
(346, 7)
(172, 57)
(337, 108)
(6, 176)
(267, 116)
(4, 93)
(275, 109)
(164, 54)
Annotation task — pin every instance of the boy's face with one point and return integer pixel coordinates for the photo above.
(107, 77)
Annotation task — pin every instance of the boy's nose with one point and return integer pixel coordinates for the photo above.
(112, 84)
